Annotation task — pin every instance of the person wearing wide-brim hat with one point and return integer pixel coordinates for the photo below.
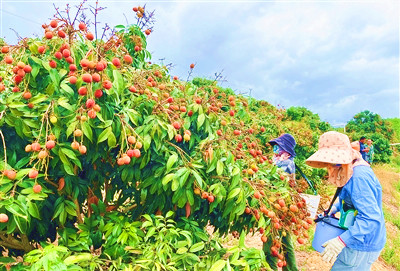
(283, 158)
(284, 153)
(360, 245)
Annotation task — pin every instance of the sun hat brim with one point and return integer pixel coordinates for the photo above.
(326, 156)
(286, 142)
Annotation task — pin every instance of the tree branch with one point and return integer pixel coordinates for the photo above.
(9, 241)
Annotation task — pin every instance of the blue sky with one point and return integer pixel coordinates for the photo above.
(336, 58)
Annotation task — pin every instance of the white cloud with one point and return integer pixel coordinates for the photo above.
(335, 58)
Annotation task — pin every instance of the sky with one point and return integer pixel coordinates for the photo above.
(336, 58)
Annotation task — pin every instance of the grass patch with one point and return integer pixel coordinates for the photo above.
(397, 186)
(391, 251)
(396, 222)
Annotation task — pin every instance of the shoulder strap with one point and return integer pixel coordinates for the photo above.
(334, 198)
(305, 177)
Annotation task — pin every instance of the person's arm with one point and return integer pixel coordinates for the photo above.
(369, 214)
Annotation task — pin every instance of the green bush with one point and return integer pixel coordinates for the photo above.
(372, 126)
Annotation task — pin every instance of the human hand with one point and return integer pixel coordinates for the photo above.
(332, 249)
(333, 210)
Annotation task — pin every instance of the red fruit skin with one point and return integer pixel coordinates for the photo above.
(53, 23)
(82, 91)
(33, 173)
(48, 35)
(130, 153)
(136, 153)
(69, 60)
(178, 138)
(92, 114)
(99, 66)
(52, 64)
(3, 218)
(27, 69)
(90, 36)
(37, 188)
(72, 80)
(66, 53)
(98, 93)
(41, 49)
(116, 62)
(96, 77)
(107, 84)
(61, 34)
(50, 144)
(90, 103)
(82, 26)
(128, 59)
(176, 125)
(132, 89)
(87, 78)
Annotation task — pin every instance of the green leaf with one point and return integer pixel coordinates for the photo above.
(233, 193)
(87, 131)
(189, 195)
(118, 81)
(21, 224)
(67, 89)
(197, 247)
(175, 185)
(182, 250)
(218, 265)
(64, 103)
(220, 167)
(112, 141)
(82, 257)
(147, 142)
(69, 169)
(171, 161)
(150, 232)
(33, 210)
(200, 120)
(167, 178)
(16, 211)
(71, 127)
(104, 135)
(198, 179)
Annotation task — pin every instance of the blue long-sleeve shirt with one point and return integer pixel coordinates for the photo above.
(287, 165)
(364, 191)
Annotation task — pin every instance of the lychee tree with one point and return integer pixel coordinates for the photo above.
(103, 150)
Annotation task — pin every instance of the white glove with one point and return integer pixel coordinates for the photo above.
(332, 249)
(333, 210)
